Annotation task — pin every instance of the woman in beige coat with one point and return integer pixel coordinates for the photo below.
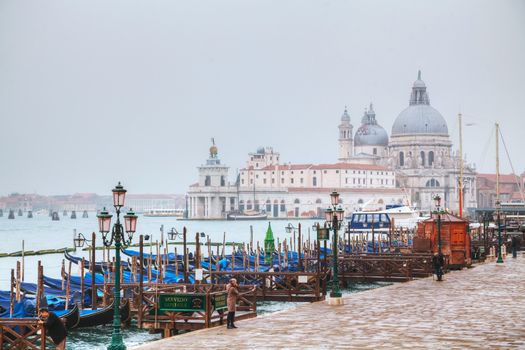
(233, 293)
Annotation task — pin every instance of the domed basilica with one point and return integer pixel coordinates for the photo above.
(419, 151)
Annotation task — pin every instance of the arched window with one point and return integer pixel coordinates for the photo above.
(297, 201)
(314, 181)
(432, 183)
(430, 158)
(268, 206)
(422, 158)
(241, 205)
(401, 159)
(256, 205)
(360, 201)
(283, 206)
(318, 201)
(248, 205)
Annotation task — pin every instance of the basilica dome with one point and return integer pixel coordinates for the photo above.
(370, 133)
(419, 117)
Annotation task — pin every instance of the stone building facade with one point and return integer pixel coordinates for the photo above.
(411, 166)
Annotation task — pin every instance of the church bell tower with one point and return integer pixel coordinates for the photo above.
(346, 139)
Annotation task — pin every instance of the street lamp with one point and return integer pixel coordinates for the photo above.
(334, 217)
(437, 201)
(498, 214)
(174, 234)
(289, 228)
(117, 237)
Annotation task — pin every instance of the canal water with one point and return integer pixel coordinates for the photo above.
(41, 233)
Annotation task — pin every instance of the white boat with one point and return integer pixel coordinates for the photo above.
(402, 215)
(177, 213)
(247, 215)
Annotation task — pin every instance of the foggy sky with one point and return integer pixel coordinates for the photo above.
(95, 92)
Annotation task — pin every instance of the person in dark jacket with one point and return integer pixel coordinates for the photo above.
(233, 292)
(438, 262)
(55, 328)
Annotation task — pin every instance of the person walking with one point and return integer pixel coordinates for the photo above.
(233, 293)
(438, 262)
(54, 326)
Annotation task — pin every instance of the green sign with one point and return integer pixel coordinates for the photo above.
(220, 301)
(182, 302)
(323, 234)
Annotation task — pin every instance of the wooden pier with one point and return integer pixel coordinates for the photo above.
(22, 333)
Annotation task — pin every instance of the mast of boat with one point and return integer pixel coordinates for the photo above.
(460, 184)
(497, 162)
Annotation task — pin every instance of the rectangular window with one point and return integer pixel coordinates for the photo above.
(337, 171)
(251, 181)
(264, 181)
(282, 180)
(346, 180)
(291, 180)
(273, 181)
(301, 180)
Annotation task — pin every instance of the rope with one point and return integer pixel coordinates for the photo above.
(518, 182)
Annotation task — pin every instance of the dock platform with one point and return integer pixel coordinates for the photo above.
(478, 308)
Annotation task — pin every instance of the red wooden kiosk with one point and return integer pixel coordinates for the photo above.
(455, 240)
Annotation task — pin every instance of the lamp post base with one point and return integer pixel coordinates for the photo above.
(335, 301)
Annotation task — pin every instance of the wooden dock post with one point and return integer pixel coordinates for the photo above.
(185, 255)
(299, 246)
(141, 280)
(92, 266)
(12, 294)
(17, 281)
(23, 259)
(82, 283)
(197, 254)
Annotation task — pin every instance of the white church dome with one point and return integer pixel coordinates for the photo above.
(419, 117)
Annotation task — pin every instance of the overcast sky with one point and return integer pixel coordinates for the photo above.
(93, 92)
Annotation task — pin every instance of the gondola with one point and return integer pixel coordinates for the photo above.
(71, 317)
(100, 267)
(92, 318)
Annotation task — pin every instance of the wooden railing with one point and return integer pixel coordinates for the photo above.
(386, 267)
(22, 333)
(281, 286)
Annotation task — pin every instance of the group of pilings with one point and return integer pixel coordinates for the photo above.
(52, 214)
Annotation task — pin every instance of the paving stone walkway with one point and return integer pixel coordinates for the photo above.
(478, 308)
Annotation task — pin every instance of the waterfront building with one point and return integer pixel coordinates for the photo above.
(420, 152)
(213, 196)
(509, 188)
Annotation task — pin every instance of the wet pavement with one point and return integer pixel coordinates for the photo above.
(478, 308)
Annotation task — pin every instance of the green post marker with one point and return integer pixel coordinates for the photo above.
(269, 245)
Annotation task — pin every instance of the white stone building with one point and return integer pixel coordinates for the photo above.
(420, 152)
(413, 166)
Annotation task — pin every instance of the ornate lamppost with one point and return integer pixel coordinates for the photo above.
(120, 240)
(498, 216)
(437, 200)
(334, 218)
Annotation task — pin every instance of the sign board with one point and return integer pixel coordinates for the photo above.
(220, 301)
(323, 234)
(303, 279)
(182, 302)
(198, 274)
